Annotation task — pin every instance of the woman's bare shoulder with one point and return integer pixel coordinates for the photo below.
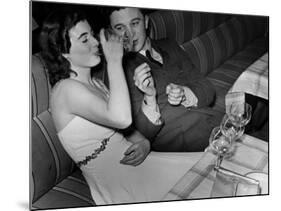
(68, 89)
(68, 93)
(68, 83)
(68, 86)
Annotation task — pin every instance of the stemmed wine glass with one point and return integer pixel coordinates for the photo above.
(237, 117)
(231, 129)
(240, 113)
(220, 144)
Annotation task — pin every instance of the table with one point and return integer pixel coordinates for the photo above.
(251, 155)
(254, 80)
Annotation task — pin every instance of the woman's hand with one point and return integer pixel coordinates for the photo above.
(112, 48)
(136, 153)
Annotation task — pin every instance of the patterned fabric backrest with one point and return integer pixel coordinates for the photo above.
(182, 26)
(208, 38)
(214, 47)
(50, 162)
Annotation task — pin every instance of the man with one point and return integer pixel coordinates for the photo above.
(169, 96)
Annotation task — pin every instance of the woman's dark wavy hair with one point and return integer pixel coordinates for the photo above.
(54, 41)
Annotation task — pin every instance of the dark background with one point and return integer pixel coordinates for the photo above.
(40, 10)
(94, 13)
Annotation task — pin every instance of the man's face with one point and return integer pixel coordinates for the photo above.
(130, 22)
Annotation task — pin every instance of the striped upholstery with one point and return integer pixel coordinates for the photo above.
(182, 26)
(73, 191)
(220, 46)
(224, 52)
(52, 168)
(225, 75)
(212, 48)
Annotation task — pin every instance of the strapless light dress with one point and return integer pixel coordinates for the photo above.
(110, 181)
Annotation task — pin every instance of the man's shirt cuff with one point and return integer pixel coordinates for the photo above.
(190, 98)
(152, 113)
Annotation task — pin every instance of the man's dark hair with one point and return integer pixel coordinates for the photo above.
(106, 11)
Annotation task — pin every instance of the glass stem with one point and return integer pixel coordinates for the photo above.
(219, 160)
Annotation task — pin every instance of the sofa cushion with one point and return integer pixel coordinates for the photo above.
(211, 49)
(225, 75)
(39, 86)
(182, 26)
(73, 191)
(50, 163)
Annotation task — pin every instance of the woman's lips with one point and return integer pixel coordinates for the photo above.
(96, 52)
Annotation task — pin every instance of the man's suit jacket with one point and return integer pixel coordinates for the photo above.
(177, 68)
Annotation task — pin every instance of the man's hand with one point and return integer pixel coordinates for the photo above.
(143, 80)
(136, 153)
(175, 94)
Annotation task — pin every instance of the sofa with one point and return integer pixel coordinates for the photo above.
(221, 46)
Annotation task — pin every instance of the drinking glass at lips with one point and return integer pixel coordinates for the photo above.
(220, 144)
(127, 42)
(126, 38)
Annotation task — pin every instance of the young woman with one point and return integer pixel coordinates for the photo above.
(87, 117)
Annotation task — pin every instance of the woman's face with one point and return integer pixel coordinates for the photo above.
(84, 51)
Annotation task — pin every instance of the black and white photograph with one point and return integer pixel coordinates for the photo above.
(133, 105)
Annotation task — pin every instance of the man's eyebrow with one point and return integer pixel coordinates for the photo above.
(121, 24)
(136, 19)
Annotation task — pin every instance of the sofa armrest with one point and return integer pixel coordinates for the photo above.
(50, 163)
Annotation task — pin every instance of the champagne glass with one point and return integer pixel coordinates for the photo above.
(220, 145)
(127, 41)
(231, 129)
(126, 38)
(240, 113)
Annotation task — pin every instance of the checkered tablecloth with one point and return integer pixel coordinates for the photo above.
(254, 80)
(251, 155)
